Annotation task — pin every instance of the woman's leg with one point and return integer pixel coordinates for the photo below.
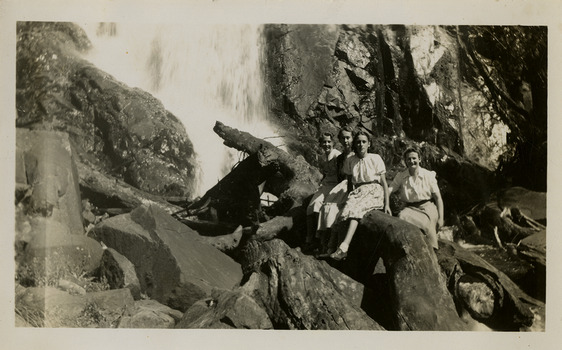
(349, 234)
(341, 253)
(332, 241)
(311, 221)
(424, 219)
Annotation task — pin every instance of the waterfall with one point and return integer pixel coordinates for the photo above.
(201, 73)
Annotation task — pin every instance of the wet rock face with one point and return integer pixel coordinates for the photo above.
(125, 131)
(303, 59)
(403, 81)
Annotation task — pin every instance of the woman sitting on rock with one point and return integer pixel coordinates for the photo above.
(335, 200)
(418, 189)
(328, 167)
(367, 188)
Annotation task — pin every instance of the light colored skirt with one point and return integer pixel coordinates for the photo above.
(362, 200)
(333, 204)
(425, 217)
(318, 198)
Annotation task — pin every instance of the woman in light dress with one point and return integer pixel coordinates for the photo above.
(335, 200)
(418, 188)
(328, 167)
(367, 189)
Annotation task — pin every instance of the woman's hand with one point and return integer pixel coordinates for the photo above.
(387, 210)
(439, 223)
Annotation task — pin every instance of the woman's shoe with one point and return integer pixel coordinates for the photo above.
(339, 255)
(326, 254)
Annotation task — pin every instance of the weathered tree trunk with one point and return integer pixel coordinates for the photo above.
(509, 308)
(421, 300)
(236, 197)
(489, 218)
(302, 178)
(512, 214)
(300, 292)
(290, 227)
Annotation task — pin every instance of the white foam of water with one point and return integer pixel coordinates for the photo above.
(201, 73)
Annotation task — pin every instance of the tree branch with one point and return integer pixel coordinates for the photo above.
(522, 116)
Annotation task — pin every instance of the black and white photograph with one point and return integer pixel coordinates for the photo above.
(231, 172)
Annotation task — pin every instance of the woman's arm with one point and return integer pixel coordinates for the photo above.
(386, 195)
(349, 183)
(394, 185)
(439, 203)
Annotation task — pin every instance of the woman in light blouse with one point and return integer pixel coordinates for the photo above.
(418, 188)
(367, 188)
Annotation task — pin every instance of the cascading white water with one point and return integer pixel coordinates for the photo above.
(201, 73)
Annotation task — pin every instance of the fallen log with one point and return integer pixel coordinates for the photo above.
(290, 227)
(485, 292)
(208, 228)
(532, 204)
(106, 191)
(235, 199)
(302, 178)
(508, 216)
(420, 297)
(300, 292)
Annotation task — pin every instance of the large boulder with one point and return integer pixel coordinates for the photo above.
(50, 255)
(119, 272)
(299, 61)
(173, 267)
(45, 163)
(488, 294)
(531, 204)
(126, 132)
(226, 310)
(420, 299)
(300, 292)
(150, 314)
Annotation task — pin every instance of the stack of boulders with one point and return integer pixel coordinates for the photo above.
(144, 268)
(125, 267)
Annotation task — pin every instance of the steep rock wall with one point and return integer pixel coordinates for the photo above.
(395, 81)
(124, 131)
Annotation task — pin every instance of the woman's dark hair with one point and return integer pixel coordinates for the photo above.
(356, 136)
(326, 134)
(411, 150)
(361, 133)
(345, 128)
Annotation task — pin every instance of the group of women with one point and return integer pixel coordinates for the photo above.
(355, 183)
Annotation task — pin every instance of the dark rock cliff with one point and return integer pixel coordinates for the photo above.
(123, 131)
(431, 85)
